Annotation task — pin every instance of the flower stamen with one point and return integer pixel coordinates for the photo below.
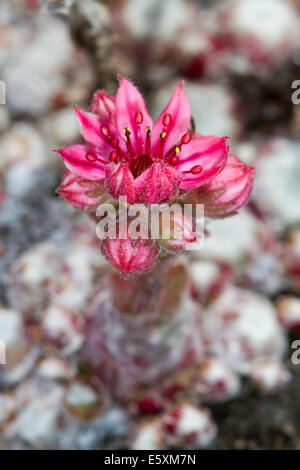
(105, 131)
(174, 161)
(186, 138)
(162, 136)
(113, 157)
(129, 145)
(139, 117)
(92, 157)
(148, 140)
(115, 143)
(195, 170)
(170, 157)
(167, 120)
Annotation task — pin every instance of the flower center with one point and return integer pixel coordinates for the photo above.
(139, 164)
(141, 158)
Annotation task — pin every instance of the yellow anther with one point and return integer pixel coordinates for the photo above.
(126, 131)
(147, 128)
(177, 150)
(163, 135)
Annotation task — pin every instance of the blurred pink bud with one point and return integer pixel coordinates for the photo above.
(187, 426)
(269, 375)
(217, 381)
(208, 279)
(179, 232)
(148, 435)
(150, 404)
(288, 311)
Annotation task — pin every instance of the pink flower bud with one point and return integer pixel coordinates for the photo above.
(81, 193)
(159, 183)
(104, 105)
(228, 191)
(119, 181)
(178, 231)
(129, 255)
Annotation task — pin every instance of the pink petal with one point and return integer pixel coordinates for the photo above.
(129, 101)
(120, 182)
(90, 128)
(209, 152)
(157, 184)
(75, 160)
(180, 112)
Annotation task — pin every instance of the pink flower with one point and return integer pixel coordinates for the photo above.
(145, 162)
(228, 191)
(80, 192)
(128, 255)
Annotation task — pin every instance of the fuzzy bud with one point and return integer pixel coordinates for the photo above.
(228, 191)
(81, 193)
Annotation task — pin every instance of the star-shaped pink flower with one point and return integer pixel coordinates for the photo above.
(146, 163)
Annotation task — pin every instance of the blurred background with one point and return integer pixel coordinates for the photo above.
(240, 60)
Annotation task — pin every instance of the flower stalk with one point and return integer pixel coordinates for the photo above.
(143, 322)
